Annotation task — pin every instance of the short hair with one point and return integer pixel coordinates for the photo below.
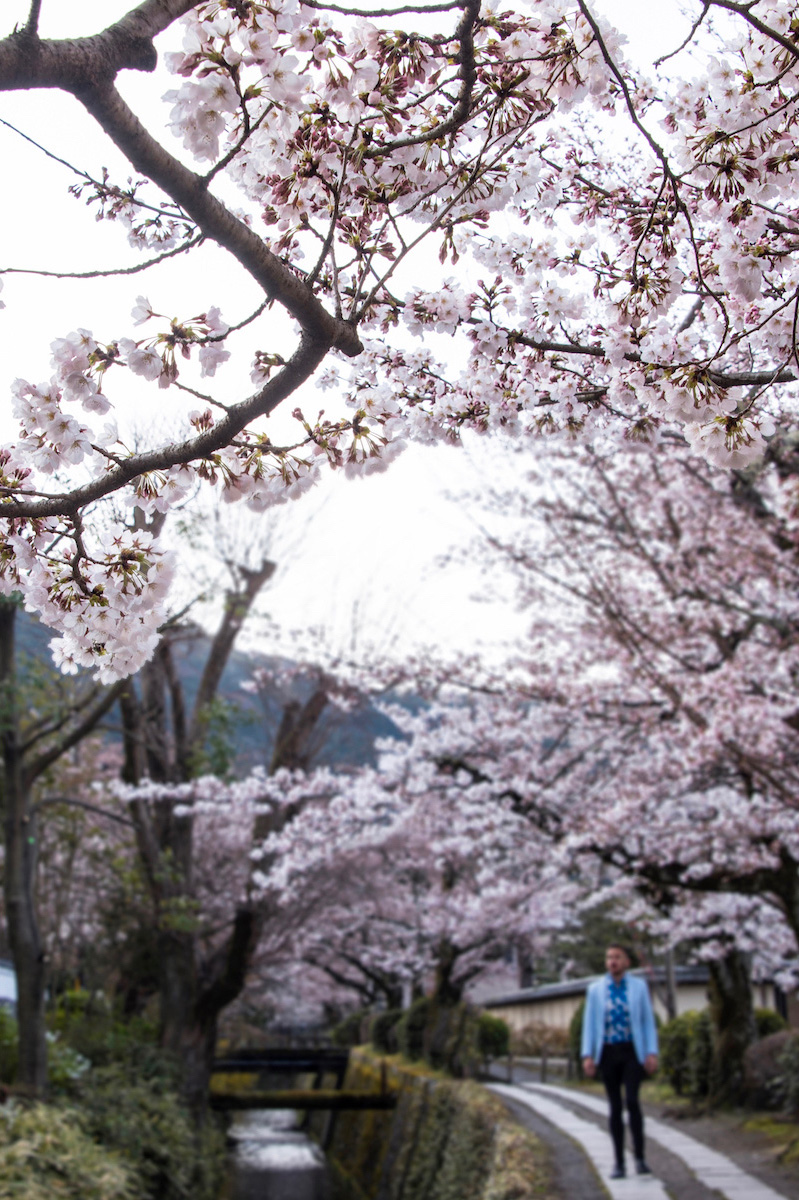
(624, 949)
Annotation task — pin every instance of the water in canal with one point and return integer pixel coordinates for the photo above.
(272, 1159)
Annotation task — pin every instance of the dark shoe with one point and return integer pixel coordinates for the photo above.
(618, 1172)
(641, 1167)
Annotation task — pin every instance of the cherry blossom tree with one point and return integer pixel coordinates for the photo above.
(588, 291)
(650, 722)
(670, 675)
(445, 876)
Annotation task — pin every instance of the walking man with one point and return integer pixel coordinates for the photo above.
(619, 1034)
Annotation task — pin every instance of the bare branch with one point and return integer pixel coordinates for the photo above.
(161, 211)
(135, 270)
(673, 53)
(93, 808)
(382, 12)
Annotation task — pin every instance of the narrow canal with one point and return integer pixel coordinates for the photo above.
(272, 1159)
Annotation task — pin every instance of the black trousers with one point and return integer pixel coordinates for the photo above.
(621, 1069)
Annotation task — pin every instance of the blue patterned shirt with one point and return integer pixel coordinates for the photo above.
(617, 1013)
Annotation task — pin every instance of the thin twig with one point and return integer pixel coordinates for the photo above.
(382, 12)
(231, 154)
(151, 262)
(162, 212)
(673, 53)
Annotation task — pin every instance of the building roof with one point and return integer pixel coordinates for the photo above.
(578, 987)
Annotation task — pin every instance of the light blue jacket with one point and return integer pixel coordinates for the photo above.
(642, 1018)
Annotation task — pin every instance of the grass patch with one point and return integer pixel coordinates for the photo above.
(782, 1134)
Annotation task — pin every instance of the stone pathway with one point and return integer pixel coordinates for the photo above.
(715, 1172)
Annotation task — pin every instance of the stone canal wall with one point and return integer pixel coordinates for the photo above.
(445, 1140)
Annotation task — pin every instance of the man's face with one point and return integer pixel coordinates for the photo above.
(616, 962)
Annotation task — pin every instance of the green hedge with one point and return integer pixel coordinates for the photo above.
(686, 1050)
(768, 1021)
(446, 1140)
(575, 1039)
(383, 1031)
(493, 1036)
(122, 1122)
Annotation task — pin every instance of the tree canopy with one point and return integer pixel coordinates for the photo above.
(613, 254)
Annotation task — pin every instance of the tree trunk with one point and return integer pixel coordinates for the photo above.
(193, 994)
(20, 875)
(446, 990)
(733, 1018)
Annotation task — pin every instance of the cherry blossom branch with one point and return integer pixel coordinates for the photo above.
(725, 379)
(299, 367)
(464, 35)
(214, 219)
(745, 11)
(240, 144)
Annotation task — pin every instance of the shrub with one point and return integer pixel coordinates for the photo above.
(91, 1028)
(771, 1071)
(768, 1021)
(141, 1117)
(411, 1029)
(383, 1031)
(686, 1051)
(348, 1031)
(575, 1039)
(537, 1038)
(45, 1152)
(789, 1075)
(493, 1036)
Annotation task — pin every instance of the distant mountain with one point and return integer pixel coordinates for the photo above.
(342, 739)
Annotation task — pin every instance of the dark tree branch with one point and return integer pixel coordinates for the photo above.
(73, 803)
(301, 365)
(104, 703)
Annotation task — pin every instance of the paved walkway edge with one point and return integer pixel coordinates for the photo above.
(594, 1141)
(711, 1168)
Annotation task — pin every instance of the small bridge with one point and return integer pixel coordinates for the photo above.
(293, 1061)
